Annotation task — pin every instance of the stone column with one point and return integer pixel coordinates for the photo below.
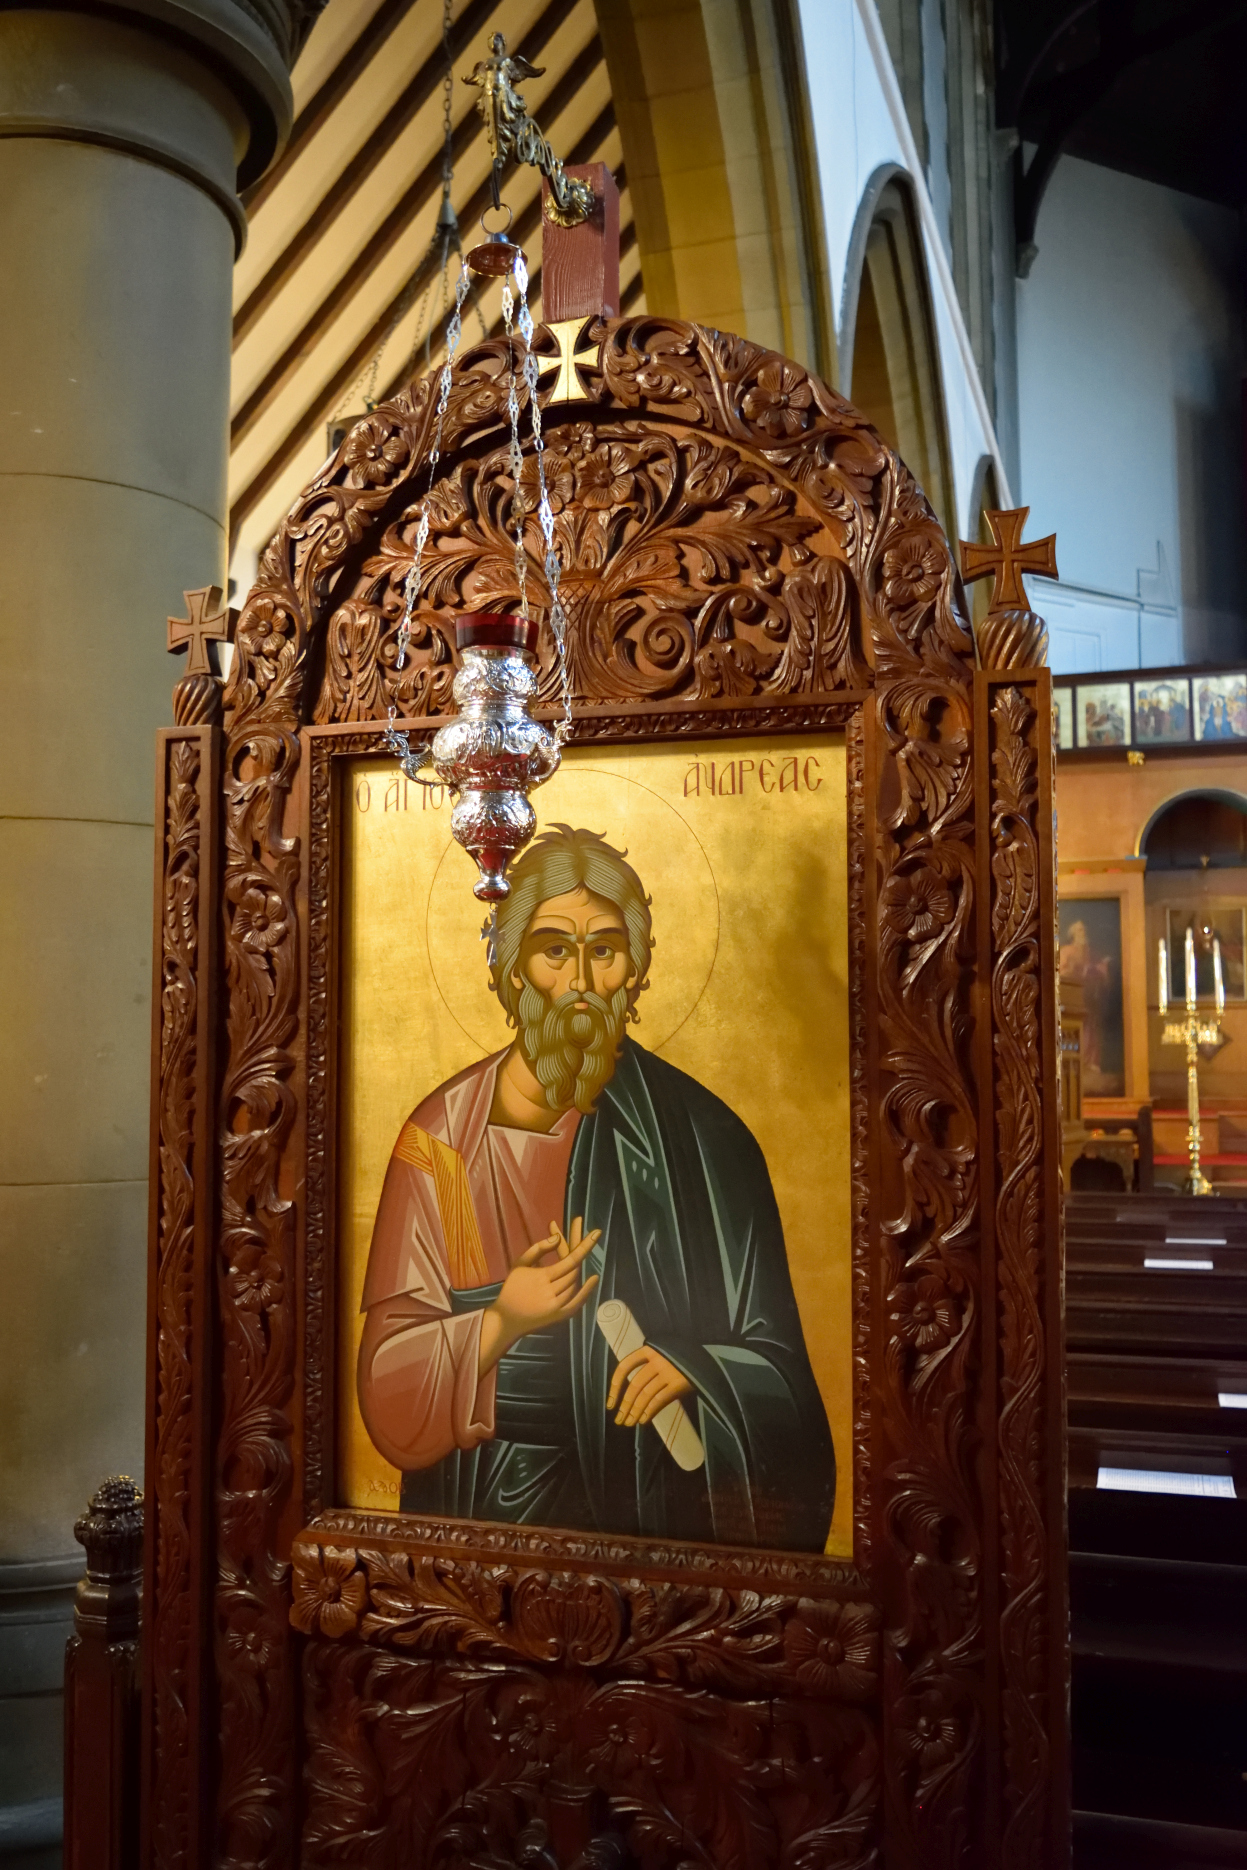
(124, 137)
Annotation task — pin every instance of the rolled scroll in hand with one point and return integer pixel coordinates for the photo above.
(679, 1437)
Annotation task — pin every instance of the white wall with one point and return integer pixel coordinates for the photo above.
(860, 126)
(1130, 358)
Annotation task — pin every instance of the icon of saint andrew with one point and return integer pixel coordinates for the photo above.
(572, 1170)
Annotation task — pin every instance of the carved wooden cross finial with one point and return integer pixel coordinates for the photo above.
(207, 623)
(1009, 558)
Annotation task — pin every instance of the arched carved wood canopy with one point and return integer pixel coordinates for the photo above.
(741, 551)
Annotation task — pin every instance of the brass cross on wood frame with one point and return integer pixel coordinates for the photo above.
(568, 385)
(206, 623)
(1008, 559)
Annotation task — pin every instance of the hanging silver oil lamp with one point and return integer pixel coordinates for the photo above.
(494, 752)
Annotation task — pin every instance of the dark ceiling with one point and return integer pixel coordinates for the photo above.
(1155, 88)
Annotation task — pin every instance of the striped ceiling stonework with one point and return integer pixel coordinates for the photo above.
(336, 260)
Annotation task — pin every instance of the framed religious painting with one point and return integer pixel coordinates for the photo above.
(1102, 714)
(1162, 712)
(1102, 943)
(605, 1401)
(1090, 953)
(1220, 707)
(1063, 716)
(1227, 921)
(646, 1063)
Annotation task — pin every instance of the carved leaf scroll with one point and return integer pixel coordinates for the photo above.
(704, 1726)
(1016, 978)
(171, 1620)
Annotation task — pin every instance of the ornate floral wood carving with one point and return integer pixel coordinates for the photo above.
(1016, 733)
(181, 1204)
(682, 1711)
(741, 554)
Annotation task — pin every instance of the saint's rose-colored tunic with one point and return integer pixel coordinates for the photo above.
(463, 1199)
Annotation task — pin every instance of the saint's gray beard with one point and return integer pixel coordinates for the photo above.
(572, 1049)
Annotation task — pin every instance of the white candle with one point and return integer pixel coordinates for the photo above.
(1164, 975)
(1190, 970)
(1217, 975)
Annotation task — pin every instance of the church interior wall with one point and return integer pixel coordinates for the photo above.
(1130, 354)
(861, 128)
(1105, 812)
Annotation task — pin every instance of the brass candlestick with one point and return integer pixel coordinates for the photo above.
(1191, 1033)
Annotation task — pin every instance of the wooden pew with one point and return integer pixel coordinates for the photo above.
(1158, 1580)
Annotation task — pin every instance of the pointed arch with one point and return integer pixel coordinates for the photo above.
(890, 365)
(984, 499)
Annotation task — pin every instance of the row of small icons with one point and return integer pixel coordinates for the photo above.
(1167, 711)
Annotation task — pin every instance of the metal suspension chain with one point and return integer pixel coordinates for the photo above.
(545, 514)
(396, 740)
(399, 743)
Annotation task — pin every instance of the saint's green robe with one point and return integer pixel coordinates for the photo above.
(692, 1243)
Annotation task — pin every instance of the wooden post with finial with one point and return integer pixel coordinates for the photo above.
(182, 1155)
(102, 1685)
(1017, 1055)
(197, 695)
(1011, 635)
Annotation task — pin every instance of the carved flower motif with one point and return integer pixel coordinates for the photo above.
(261, 917)
(832, 1648)
(252, 1645)
(255, 1279)
(911, 573)
(924, 1313)
(917, 904)
(603, 479)
(560, 483)
(930, 1730)
(779, 400)
(374, 451)
(329, 1593)
(261, 635)
(533, 1731)
(620, 1735)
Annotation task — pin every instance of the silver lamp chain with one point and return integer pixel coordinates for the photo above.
(397, 742)
(545, 515)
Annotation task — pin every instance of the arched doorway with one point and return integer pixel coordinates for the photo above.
(1195, 844)
(1197, 831)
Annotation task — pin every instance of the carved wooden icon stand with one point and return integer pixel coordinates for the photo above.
(325, 1686)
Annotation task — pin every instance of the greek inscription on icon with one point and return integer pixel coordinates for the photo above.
(731, 779)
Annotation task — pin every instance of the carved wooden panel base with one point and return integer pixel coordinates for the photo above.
(462, 1711)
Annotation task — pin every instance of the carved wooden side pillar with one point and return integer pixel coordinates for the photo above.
(102, 1686)
(1018, 1045)
(184, 1096)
